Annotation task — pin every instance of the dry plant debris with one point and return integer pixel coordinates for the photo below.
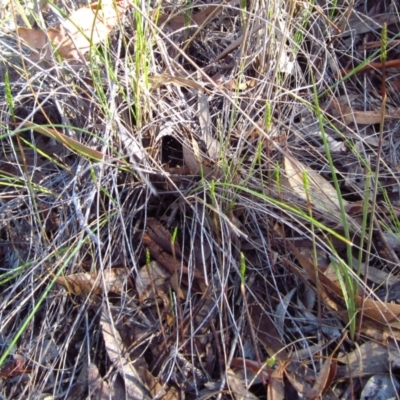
(199, 200)
(73, 37)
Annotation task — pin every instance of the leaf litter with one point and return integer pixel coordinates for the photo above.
(190, 261)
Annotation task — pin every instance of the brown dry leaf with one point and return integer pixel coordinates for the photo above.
(266, 332)
(86, 27)
(91, 385)
(180, 21)
(233, 84)
(380, 332)
(193, 158)
(85, 283)
(320, 192)
(350, 115)
(98, 388)
(331, 273)
(376, 275)
(168, 261)
(237, 387)
(376, 310)
(37, 40)
(14, 367)
(162, 236)
(250, 370)
(157, 390)
(166, 79)
(276, 387)
(68, 142)
(368, 359)
(381, 387)
(298, 383)
(152, 279)
(135, 388)
(324, 379)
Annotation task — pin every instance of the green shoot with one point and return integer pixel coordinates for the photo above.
(242, 268)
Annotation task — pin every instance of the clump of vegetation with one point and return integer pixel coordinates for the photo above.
(199, 200)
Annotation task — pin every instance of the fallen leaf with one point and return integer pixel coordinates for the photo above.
(37, 40)
(376, 275)
(162, 236)
(250, 370)
(84, 283)
(378, 311)
(350, 115)
(135, 387)
(68, 142)
(276, 387)
(97, 387)
(14, 367)
(331, 274)
(294, 368)
(91, 385)
(233, 84)
(299, 384)
(324, 379)
(168, 261)
(193, 158)
(180, 21)
(392, 240)
(381, 387)
(236, 386)
(166, 79)
(380, 332)
(157, 390)
(281, 309)
(368, 359)
(86, 27)
(266, 332)
(320, 192)
(151, 279)
(332, 330)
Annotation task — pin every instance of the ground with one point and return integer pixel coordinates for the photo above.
(199, 200)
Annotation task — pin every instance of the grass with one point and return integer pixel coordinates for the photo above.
(150, 159)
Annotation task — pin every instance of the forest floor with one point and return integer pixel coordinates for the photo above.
(199, 200)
